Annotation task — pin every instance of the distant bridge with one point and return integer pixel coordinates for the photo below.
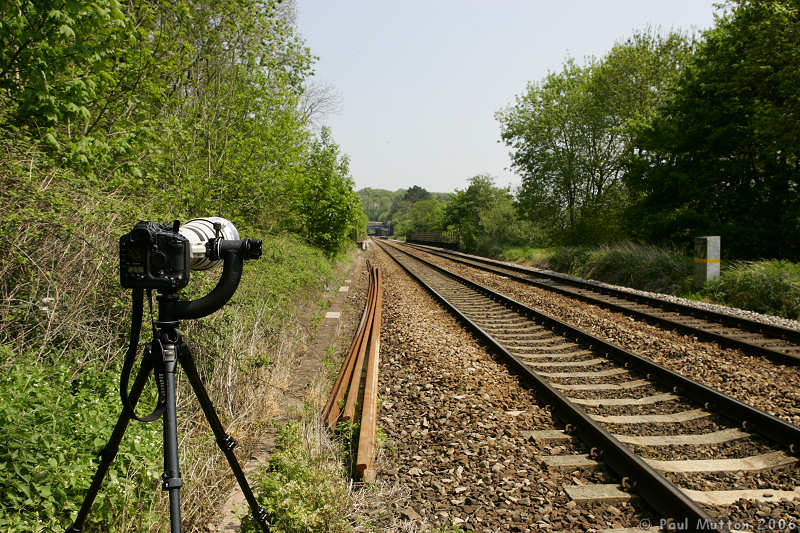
(378, 229)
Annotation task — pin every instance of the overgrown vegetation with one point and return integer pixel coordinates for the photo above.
(639, 266)
(769, 286)
(112, 113)
(303, 489)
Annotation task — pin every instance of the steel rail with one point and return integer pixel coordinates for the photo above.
(332, 409)
(754, 418)
(744, 324)
(365, 455)
(659, 492)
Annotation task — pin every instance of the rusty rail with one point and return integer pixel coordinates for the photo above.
(360, 361)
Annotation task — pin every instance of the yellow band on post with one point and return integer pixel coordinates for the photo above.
(702, 260)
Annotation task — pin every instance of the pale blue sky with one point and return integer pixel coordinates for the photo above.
(420, 81)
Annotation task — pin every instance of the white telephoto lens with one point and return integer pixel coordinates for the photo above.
(201, 230)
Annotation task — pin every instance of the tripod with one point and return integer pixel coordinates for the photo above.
(162, 358)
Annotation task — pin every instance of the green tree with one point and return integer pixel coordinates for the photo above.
(571, 134)
(329, 209)
(722, 155)
(415, 194)
(424, 215)
(484, 216)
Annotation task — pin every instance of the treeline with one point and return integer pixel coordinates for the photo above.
(669, 136)
(405, 210)
(196, 108)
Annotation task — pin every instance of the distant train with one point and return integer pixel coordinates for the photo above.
(442, 239)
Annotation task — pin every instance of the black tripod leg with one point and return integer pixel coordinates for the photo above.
(225, 442)
(110, 450)
(171, 480)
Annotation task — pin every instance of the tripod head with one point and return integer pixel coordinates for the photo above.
(160, 257)
(232, 253)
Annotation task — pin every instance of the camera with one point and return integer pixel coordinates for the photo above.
(160, 257)
(154, 256)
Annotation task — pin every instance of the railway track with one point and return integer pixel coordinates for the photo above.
(778, 343)
(685, 448)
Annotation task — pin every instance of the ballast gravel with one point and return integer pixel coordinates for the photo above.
(760, 382)
(454, 422)
(756, 380)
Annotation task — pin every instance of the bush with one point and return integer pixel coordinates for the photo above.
(771, 287)
(639, 266)
(303, 490)
(52, 424)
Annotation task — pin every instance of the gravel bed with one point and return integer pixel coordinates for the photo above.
(615, 379)
(774, 479)
(699, 425)
(626, 329)
(638, 392)
(452, 417)
(765, 384)
(735, 449)
(668, 407)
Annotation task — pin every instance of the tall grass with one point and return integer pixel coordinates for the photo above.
(769, 286)
(640, 266)
(63, 330)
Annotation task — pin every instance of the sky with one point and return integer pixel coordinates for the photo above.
(419, 82)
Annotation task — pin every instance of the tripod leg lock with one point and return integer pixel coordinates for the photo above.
(261, 515)
(169, 483)
(226, 444)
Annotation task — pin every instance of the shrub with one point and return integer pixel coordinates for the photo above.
(771, 287)
(52, 424)
(302, 489)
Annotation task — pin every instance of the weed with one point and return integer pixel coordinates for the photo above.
(303, 489)
(771, 287)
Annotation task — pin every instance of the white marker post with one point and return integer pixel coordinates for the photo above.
(706, 260)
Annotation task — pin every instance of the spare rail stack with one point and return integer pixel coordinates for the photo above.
(360, 369)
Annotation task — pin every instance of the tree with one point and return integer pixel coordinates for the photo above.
(571, 134)
(329, 208)
(722, 156)
(484, 216)
(424, 215)
(415, 194)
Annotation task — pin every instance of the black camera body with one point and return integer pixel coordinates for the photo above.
(154, 256)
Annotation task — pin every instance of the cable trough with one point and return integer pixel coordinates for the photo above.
(778, 343)
(685, 448)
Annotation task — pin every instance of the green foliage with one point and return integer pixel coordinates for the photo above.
(116, 112)
(571, 134)
(485, 217)
(406, 210)
(639, 266)
(300, 490)
(52, 424)
(377, 203)
(722, 157)
(329, 210)
(771, 287)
